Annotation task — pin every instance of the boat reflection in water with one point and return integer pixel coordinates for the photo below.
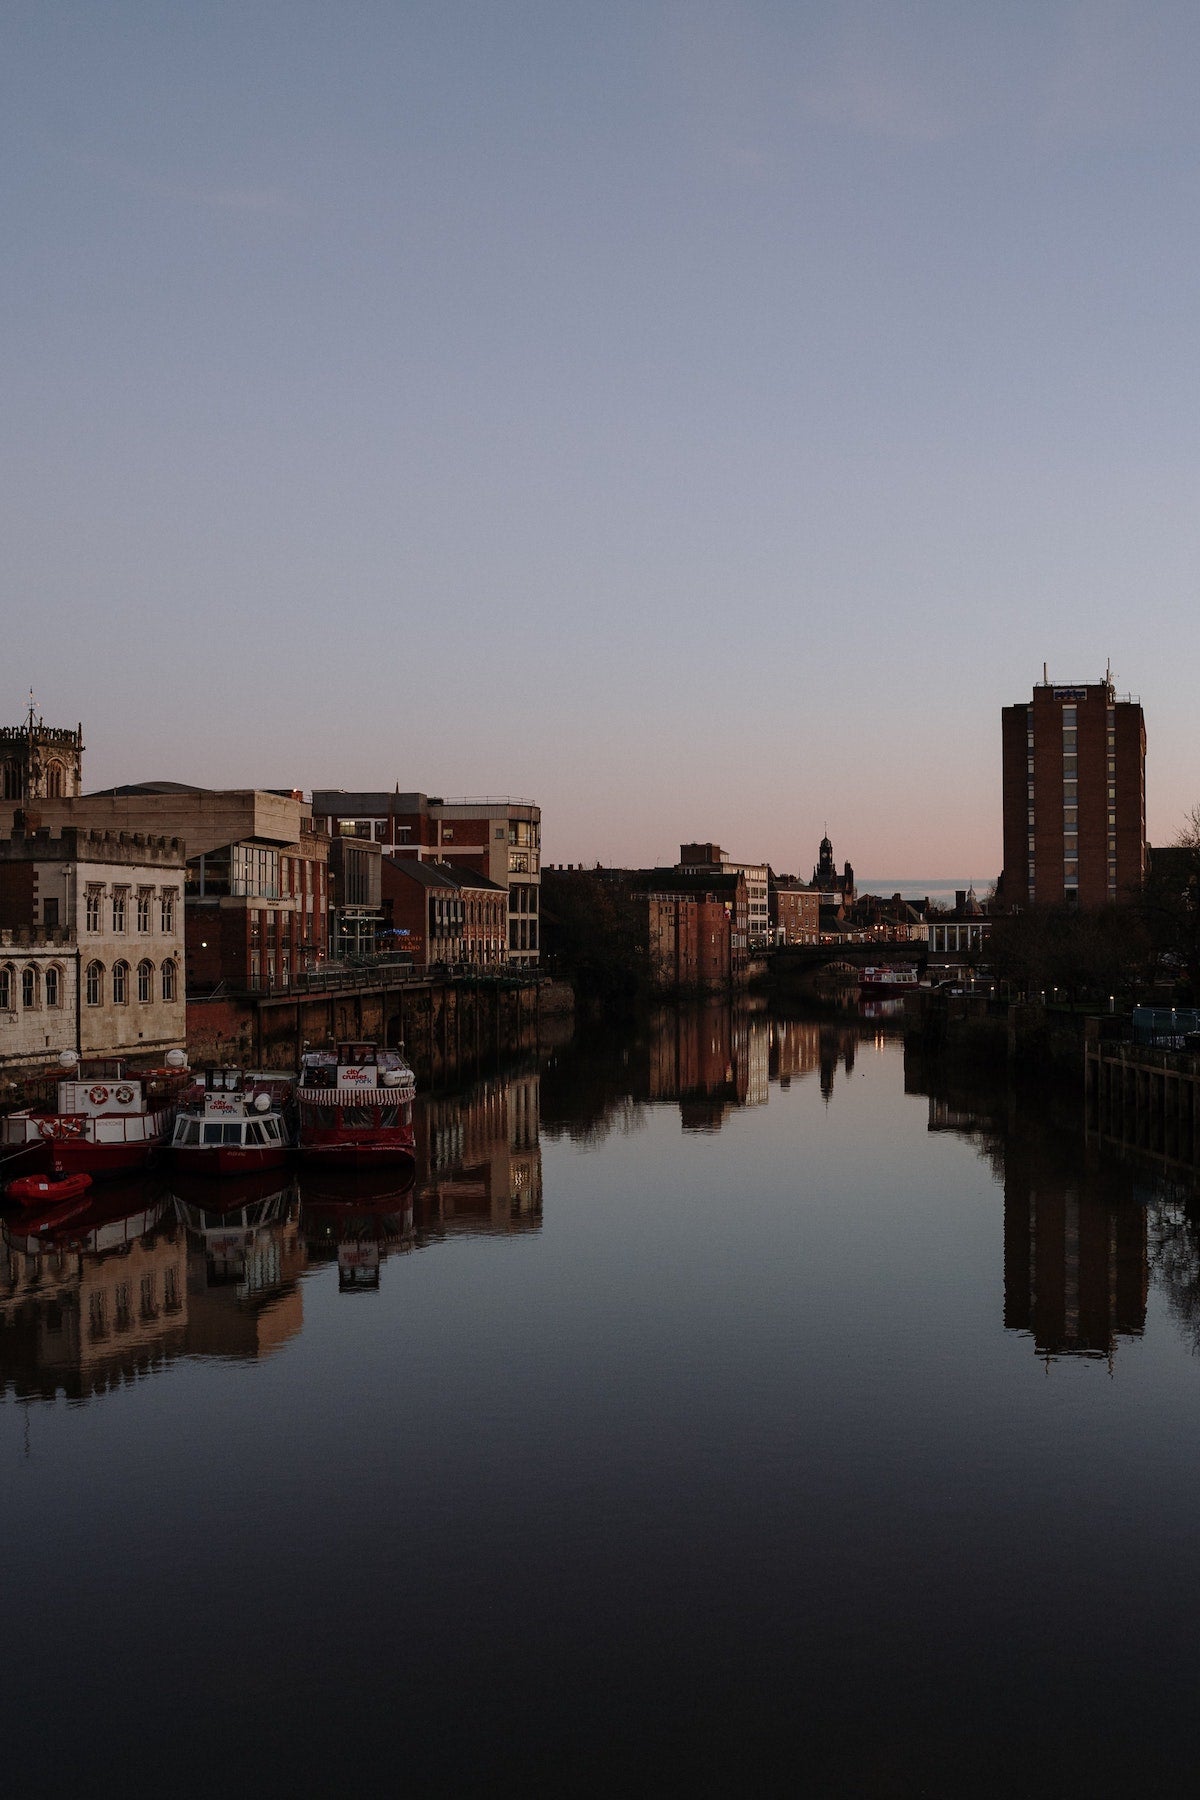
(358, 1220)
(119, 1282)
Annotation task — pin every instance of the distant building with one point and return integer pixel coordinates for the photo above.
(710, 859)
(500, 839)
(91, 943)
(1074, 772)
(835, 890)
(794, 910)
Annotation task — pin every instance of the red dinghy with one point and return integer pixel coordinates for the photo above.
(39, 1190)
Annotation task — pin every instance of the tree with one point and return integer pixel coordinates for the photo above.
(1171, 902)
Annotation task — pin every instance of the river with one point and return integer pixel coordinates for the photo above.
(721, 1407)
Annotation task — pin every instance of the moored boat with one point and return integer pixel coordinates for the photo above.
(103, 1122)
(41, 1190)
(883, 982)
(356, 1107)
(231, 1125)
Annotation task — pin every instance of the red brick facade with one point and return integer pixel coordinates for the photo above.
(1074, 763)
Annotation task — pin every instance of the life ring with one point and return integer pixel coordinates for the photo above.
(124, 1095)
(46, 1128)
(98, 1095)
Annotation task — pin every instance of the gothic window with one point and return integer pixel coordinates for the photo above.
(120, 976)
(29, 986)
(53, 985)
(168, 979)
(94, 984)
(54, 781)
(94, 896)
(167, 909)
(120, 902)
(145, 981)
(144, 901)
(6, 990)
(12, 781)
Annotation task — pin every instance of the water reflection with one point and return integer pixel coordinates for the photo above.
(1076, 1230)
(710, 1059)
(143, 1272)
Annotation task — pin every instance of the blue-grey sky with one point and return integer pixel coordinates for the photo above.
(700, 418)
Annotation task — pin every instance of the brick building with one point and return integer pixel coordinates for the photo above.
(753, 922)
(91, 943)
(794, 910)
(1074, 781)
(439, 914)
(499, 839)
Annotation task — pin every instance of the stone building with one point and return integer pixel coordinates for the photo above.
(256, 893)
(91, 943)
(40, 761)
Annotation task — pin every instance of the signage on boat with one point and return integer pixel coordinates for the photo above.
(218, 1103)
(351, 1077)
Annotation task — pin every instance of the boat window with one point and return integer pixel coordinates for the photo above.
(389, 1116)
(192, 1134)
(358, 1116)
(212, 1134)
(254, 1133)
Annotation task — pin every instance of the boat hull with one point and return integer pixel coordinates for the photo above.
(366, 1154)
(224, 1160)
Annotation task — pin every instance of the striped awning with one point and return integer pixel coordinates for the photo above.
(354, 1096)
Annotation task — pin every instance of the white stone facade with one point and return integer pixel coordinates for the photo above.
(91, 945)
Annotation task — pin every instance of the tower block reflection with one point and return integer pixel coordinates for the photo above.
(1076, 1270)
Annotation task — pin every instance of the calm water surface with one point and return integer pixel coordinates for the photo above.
(717, 1407)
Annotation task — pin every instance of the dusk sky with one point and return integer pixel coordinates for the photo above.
(701, 419)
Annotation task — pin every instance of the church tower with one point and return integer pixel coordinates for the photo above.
(40, 761)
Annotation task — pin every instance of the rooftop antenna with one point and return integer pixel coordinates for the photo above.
(1045, 674)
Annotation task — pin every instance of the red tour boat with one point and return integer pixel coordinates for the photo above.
(104, 1122)
(356, 1107)
(230, 1126)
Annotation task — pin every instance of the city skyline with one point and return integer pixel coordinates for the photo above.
(702, 421)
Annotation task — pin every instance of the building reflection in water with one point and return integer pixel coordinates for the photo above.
(1076, 1272)
(164, 1267)
(1076, 1247)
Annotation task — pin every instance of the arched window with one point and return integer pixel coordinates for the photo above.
(7, 988)
(29, 986)
(53, 985)
(168, 979)
(54, 781)
(12, 781)
(120, 983)
(94, 986)
(145, 981)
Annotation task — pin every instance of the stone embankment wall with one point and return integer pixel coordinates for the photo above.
(445, 1027)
